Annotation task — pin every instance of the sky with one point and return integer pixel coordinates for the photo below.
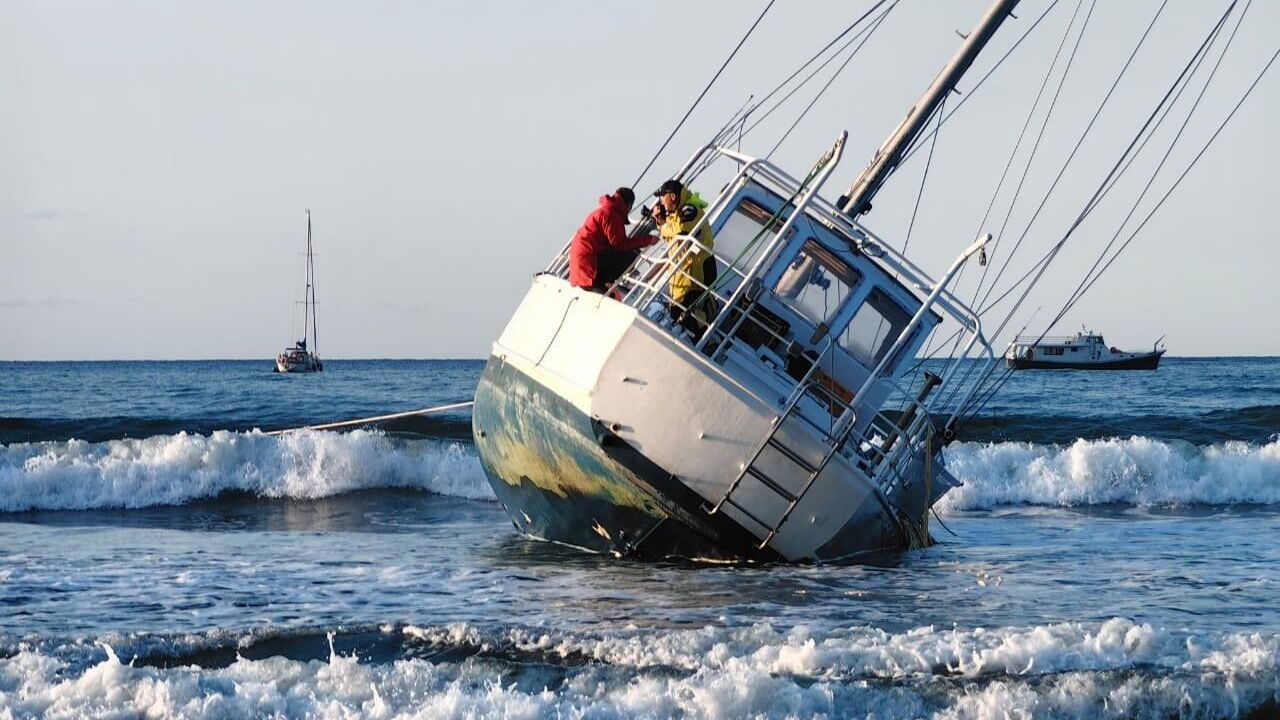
(157, 160)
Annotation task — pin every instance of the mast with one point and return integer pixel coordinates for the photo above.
(857, 200)
(311, 292)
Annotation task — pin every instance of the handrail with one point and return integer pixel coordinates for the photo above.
(829, 162)
(919, 316)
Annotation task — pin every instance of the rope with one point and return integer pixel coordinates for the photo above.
(702, 94)
(376, 418)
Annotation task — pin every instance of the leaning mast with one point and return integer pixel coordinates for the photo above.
(857, 199)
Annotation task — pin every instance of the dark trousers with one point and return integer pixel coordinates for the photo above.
(610, 265)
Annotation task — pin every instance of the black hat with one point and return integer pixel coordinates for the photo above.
(669, 186)
(627, 196)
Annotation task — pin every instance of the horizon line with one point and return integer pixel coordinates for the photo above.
(452, 359)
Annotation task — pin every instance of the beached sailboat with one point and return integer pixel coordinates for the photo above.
(793, 421)
(302, 357)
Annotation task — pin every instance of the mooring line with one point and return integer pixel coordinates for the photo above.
(376, 418)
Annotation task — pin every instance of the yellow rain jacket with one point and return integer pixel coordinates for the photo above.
(690, 264)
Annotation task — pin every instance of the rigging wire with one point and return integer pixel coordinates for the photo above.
(1041, 265)
(1187, 170)
(703, 93)
(1090, 277)
(1031, 159)
(1035, 148)
(1169, 108)
(1038, 269)
(965, 97)
(866, 35)
(810, 61)
(924, 177)
(928, 353)
(1013, 155)
(740, 125)
(1108, 184)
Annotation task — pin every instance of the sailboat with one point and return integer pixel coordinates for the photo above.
(793, 421)
(302, 357)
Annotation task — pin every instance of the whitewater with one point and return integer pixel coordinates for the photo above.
(1110, 554)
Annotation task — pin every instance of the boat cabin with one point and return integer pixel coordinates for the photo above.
(814, 301)
(808, 310)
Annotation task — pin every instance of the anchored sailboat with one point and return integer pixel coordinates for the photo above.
(302, 357)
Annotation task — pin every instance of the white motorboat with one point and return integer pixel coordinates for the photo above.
(1083, 351)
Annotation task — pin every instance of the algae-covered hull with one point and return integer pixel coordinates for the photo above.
(563, 477)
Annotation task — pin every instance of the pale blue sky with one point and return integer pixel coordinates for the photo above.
(156, 159)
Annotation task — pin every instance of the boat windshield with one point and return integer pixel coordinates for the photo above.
(816, 284)
(874, 328)
(743, 237)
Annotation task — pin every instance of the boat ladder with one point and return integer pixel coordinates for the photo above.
(810, 469)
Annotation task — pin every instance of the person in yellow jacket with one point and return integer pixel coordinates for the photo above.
(677, 211)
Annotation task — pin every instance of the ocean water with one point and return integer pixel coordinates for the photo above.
(1114, 552)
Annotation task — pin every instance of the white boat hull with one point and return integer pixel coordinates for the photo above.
(308, 365)
(598, 429)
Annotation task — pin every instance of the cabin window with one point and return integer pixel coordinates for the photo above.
(874, 328)
(815, 284)
(1075, 349)
(1053, 351)
(739, 239)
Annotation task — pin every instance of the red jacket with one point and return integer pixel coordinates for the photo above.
(604, 229)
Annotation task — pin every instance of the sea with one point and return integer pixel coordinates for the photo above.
(1114, 552)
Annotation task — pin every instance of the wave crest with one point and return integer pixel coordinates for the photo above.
(1117, 669)
(176, 469)
(1136, 471)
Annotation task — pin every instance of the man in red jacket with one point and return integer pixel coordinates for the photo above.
(601, 250)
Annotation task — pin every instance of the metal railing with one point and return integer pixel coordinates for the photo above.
(727, 302)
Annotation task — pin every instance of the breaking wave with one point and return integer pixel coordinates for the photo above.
(181, 468)
(177, 469)
(1117, 668)
(1135, 471)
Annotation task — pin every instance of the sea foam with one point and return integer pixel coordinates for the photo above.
(1135, 470)
(1114, 669)
(175, 469)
